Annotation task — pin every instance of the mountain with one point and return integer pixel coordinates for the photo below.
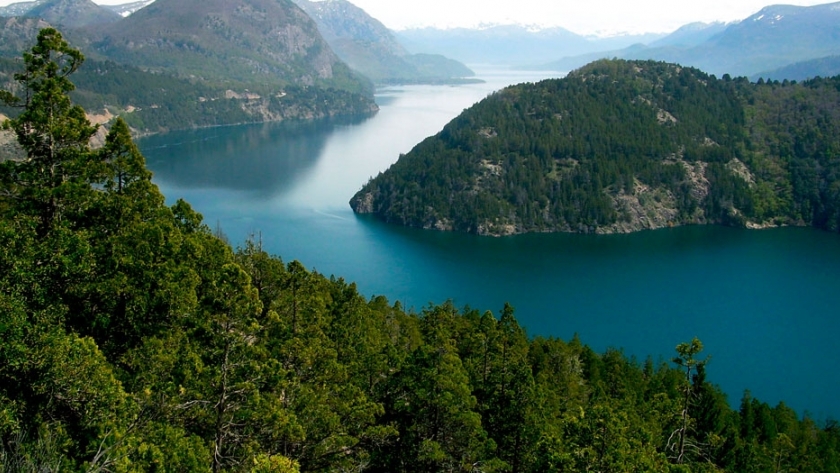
(622, 146)
(186, 74)
(271, 43)
(18, 33)
(774, 37)
(692, 34)
(23, 8)
(367, 46)
(70, 14)
(19, 8)
(126, 9)
(822, 67)
(510, 44)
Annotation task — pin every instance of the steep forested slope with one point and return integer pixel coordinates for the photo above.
(245, 41)
(152, 102)
(191, 63)
(135, 340)
(620, 146)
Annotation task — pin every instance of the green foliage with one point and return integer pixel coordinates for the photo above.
(154, 101)
(623, 146)
(251, 42)
(136, 340)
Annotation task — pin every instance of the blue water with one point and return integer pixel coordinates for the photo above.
(764, 303)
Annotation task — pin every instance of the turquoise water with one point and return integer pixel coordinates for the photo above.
(765, 303)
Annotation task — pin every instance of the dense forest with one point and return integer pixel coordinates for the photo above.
(620, 146)
(134, 339)
(151, 102)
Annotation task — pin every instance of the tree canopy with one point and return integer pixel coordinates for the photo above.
(136, 340)
(620, 146)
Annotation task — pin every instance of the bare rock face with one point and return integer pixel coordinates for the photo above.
(362, 204)
(9, 148)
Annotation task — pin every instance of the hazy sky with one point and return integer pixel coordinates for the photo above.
(580, 16)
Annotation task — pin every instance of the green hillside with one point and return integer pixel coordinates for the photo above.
(620, 146)
(185, 63)
(135, 340)
(152, 102)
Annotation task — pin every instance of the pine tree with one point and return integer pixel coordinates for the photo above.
(54, 133)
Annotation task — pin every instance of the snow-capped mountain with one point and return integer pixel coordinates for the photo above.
(126, 9)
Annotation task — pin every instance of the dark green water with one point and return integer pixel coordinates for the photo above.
(766, 304)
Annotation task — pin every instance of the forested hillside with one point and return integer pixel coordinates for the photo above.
(243, 42)
(136, 340)
(182, 64)
(152, 102)
(620, 146)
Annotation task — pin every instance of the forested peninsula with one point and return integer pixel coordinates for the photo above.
(135, 340)
(620, 146)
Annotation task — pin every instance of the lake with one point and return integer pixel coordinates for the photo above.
(764, 303)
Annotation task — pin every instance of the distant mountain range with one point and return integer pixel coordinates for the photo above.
(19, 8)
(690, 35)
(775, 37)
(511, 44)
(367, 46)
(765, 43)
(24, 8)
(822, 67)
(126, 9)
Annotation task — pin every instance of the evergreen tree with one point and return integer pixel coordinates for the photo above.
(54, 133)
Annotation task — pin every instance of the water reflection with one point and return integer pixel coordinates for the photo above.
(264, 160)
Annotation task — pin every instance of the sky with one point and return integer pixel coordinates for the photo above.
(600, 17)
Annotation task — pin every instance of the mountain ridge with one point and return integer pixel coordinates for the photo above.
(230, 61)
(243, 40)
(367, 46)
(73, 13)
(510, 44)
(773, 37)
